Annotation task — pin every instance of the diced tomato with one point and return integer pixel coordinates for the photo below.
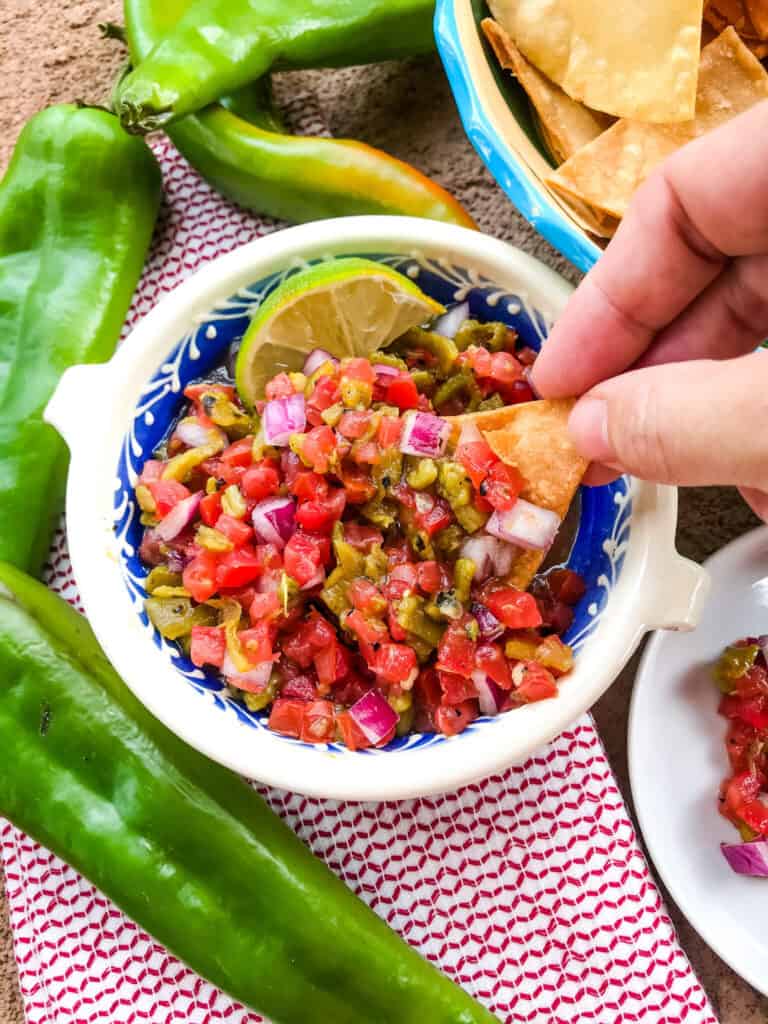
(526, 355)
(478, 358)
(318, 632)
(238, 454)
(516, 393)
(517, 609)
(234, 529)
(476, 458)
(354, 424)
(332, 662)
(303, 557)
(200, 576)
(754, 813)
(210, 508)
(257, 642)
(453, 719)
(741, 789)
(739, 741)
(435, 518)
(309, 486)
(351, 688)
(279, 387)
(208, 646)
(362, 537)
(318, 516)
(351, 733)
(260, 481)
(358, 368)
(752, 710)
(153, 469)
(318, 722)
(366, 453)
(505, 368)
(390, 429)
(404, 494)
(403, 393)
(427, 691)
(396, 663)
(553, 654)
(287, 717)
(753, 683)
(263, 606)
(239, 567)
(456, 689)
(325, 394)
(167, 494)
(370, 630)
(456, 652)
(405, 572)
(299, 688)
(431, 577)
(357, 483)
(398, 553)
(317, 447)
(533, 682)
(502, 486)
(489, 658)
(365, 596)
(566, 585)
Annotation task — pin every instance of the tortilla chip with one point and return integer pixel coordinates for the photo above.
(606, 173)
(533, 437)
(630, 59)
(566, 124)
(748, 17)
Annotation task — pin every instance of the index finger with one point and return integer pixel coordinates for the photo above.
(705, 205)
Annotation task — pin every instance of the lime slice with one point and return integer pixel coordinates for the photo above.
(349, 307)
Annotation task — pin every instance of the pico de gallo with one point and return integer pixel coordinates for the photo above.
(339, 558)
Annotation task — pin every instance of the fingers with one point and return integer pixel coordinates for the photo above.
(705, 205)
(730, 318)
(692, 423)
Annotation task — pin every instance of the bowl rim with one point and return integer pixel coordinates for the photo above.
(671, 584)
(508, 169)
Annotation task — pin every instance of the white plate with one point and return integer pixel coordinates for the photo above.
(677, 760)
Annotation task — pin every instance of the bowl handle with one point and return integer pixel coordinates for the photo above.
(679, 601)
(78, 391)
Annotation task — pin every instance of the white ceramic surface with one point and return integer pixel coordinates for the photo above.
(677, 761)
(656, 588)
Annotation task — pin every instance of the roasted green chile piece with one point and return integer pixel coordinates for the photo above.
(236, 145)
(220, 45)
(733, 663)
(182, 845)
(77, 209)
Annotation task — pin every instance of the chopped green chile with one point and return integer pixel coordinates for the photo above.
(212, 540)
(423, 474)
(412, 617)
(494, 335)
(174, 617)
(463, 574)
(443, 349)
(461, 383)
(161, 576)
(334, 593)
(448, 542)
(733, 663)
(233, 502)
(225, 414)
(388, 359)
(181, 466)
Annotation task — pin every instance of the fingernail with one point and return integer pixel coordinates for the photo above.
(588, 427)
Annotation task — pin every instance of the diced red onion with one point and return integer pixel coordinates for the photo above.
(526, 525)
(385, 374)
(748, 858)
(490, 696)
(315, 360)
(470, 433)
(424, 434)
(192, 432)
(449, 323)
(373, 716)
(489, 626)
(528, 377)
(283, 417)
(274, 521)
(492, 557)
(254, 680)
(181, 515)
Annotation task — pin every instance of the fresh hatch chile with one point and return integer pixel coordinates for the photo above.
(238, 146)
(77, 210)
(182, 845)
(216, 46)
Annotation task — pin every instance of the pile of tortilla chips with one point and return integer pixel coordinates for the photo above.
(616, 88)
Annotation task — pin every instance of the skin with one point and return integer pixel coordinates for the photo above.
(659, 338)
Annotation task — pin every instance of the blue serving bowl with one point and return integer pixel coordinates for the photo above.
(498, 121)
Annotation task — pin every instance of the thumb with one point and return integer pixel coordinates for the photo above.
(702, 422)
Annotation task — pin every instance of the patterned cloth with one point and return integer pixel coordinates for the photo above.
(528, 889)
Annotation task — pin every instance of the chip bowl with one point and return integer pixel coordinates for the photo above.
(113, 415)
(497, 118)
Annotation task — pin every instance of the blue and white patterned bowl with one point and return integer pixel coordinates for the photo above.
(623, 548)
(497, 119)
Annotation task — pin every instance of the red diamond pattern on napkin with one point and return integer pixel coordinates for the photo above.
(529, 889)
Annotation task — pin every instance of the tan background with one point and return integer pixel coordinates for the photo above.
(51, 51)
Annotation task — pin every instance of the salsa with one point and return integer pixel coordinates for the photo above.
(339, 553)
(742, 676)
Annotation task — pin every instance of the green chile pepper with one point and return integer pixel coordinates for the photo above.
(182, 845)
(237, 146)
(220, 45)
(77, 210)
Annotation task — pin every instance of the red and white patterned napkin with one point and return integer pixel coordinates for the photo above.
(528, 889)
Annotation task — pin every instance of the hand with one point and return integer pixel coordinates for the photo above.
(680, 300)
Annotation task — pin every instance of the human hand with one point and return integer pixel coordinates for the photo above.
(680, 300)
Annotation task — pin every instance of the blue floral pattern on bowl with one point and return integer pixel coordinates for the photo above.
(603, 531)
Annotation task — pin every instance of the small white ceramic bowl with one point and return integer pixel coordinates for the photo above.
(112, 416)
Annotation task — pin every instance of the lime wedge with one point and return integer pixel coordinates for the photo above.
(349, 307)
